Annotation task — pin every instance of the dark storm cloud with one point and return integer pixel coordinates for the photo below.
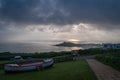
(93, 10)
(30, 11)
(60, 12)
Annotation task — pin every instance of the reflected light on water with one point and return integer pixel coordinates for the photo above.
(72, 48)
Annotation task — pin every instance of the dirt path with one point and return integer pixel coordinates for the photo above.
(103, 72)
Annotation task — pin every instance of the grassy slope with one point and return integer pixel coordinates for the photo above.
(76, 70)
(3, 62)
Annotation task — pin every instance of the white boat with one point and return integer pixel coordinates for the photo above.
(28, 65)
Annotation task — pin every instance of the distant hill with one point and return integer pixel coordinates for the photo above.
(67, 44)
(70, 44)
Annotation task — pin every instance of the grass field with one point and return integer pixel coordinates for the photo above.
(74, 70)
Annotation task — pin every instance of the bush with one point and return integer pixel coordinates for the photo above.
(110, 59)
(7, 56)
(63, 58)
(91, 51)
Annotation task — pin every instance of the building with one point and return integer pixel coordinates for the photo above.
(111, 46)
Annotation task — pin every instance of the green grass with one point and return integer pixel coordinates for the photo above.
(3, 62)
(74, 70)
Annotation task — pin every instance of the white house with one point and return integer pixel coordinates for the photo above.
(111, 46)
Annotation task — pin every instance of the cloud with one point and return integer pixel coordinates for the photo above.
(61, 17)
(60, 12)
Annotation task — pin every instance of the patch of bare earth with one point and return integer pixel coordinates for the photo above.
(103, 72)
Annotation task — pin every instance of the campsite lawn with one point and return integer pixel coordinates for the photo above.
(74, 70)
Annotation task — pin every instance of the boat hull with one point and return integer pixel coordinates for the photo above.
(17, 69)
(36, 65)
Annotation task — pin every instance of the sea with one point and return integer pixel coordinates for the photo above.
(32, 47)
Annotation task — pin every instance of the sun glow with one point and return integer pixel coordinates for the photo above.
(73, 40)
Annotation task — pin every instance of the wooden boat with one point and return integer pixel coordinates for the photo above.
(28, 65)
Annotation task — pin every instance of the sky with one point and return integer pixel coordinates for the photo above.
(66, 20)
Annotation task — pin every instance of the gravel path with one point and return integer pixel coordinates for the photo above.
(103, 72)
